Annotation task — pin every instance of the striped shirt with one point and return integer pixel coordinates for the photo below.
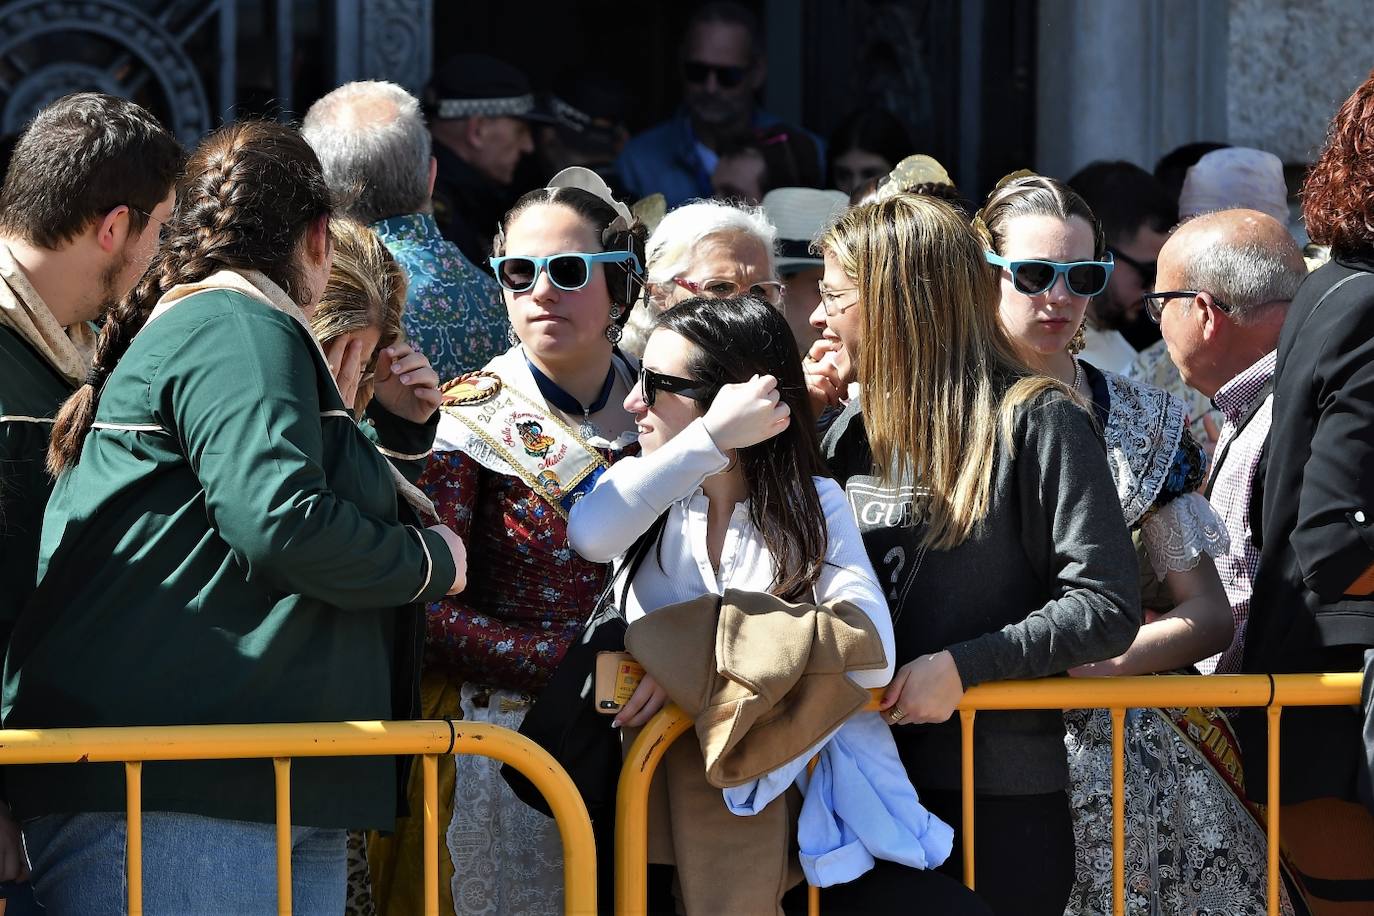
(1238, 449)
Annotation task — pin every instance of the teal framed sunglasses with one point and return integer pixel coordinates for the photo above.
(1034, 276)
(570, 271)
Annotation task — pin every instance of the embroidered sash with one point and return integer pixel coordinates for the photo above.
(541, 449)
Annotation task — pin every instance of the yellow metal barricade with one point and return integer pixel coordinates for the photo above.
(1114, 694)
(281, 743)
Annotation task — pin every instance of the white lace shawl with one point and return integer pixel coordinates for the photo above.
(1144, 427)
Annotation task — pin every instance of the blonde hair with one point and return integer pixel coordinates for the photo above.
(366, 289)
(939, 376)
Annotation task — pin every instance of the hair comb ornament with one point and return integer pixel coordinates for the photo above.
(584, 179)
(910, 172)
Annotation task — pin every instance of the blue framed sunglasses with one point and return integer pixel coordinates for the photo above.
(1034, 276)
(570, 271)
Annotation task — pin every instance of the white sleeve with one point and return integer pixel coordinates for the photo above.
(634, 491)
(848, 576)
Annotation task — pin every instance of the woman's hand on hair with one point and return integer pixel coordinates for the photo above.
(823, 382)
(747, 413)
(345, 357)
(927, 689)
(459, 554)
(406, 384)
(647, 700)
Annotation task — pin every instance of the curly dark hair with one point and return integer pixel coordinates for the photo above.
(1338, 195)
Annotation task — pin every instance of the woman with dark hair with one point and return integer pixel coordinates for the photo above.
(731, 470)
(222, 546)
(866, 146)
(518, 443)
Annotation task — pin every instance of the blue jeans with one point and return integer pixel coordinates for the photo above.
(192, 866)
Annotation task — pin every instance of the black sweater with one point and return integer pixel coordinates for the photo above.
(1047, 581)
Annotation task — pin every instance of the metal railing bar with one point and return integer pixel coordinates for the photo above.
(1118, 811)
(966, 717)
(322, 739)
(281, 772)
(429, 764)
(133, 813)
(1272, 831)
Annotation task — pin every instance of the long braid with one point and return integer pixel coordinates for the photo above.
(249, 192)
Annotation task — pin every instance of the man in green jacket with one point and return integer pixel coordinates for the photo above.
(88, 187)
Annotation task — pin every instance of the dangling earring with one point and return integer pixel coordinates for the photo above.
(614, 331)
(1077, 342)
(514, 338)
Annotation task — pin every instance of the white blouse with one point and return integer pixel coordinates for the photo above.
(633, 492)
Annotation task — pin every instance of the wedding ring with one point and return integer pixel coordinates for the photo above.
(896, 715)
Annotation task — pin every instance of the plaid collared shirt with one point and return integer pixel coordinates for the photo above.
(1231, 496)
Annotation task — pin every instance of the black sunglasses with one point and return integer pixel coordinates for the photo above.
(728, 77)
(651, 382)
(1146, 269)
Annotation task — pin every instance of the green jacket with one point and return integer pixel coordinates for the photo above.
(31, 391)
(226, 550)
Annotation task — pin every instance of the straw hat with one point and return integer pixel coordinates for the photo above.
(800, 215)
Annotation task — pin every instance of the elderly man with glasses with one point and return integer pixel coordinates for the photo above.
(1225, 281)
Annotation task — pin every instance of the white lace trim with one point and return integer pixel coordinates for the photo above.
(1144, 426)
(1178, 534)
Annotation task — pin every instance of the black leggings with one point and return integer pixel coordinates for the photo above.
(1023, 849)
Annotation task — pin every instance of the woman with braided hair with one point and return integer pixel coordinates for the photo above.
(222, 546)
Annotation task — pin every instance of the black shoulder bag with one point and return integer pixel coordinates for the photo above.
(564, 720)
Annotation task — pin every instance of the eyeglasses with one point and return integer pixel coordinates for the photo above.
(769, 291)
(1155, 302)
(1146, 269)
(569, 271)
(697, 72)
(828, 297)
(161, 223)
(1034, 276)
(651, 382)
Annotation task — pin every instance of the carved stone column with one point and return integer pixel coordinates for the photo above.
(384, 40)
(1128, 79)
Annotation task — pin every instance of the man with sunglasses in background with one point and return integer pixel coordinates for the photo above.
(722, 70)
(1136, 213)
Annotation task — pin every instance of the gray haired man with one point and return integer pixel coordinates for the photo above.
(1223, 288)
(375, 150)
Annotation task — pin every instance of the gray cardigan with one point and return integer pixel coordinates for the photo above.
(1047, 581)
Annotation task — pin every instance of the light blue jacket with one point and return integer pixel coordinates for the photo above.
(859, 806)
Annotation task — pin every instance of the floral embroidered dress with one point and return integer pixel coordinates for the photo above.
(454, 312)
(496, 482)
(1192, 844)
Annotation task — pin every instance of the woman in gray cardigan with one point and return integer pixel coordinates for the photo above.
(992, 520)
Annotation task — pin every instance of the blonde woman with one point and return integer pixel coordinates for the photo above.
(990, 517)
(358, 324)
